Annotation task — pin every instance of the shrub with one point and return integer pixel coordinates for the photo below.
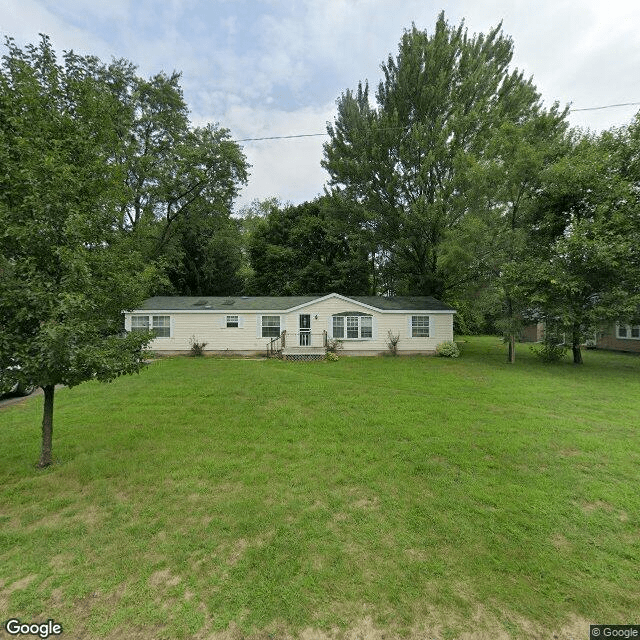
(549, 351)
(334, 345)
(448, 349)
(197, 348)
(332, 356)
(392, 342)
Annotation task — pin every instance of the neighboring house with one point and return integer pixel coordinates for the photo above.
(615, 337)
(247, 325)
(619, 337)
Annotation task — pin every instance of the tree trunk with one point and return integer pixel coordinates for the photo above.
(512, 348)
(47, 427)
(575, 346)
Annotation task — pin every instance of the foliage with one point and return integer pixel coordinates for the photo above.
(334, 345)
(411, 160)
(67, 271)
(310, 248)
(549, 351)
(332, 356)
(392, 342)
(448, 349)
(197, 348)
(583, 266)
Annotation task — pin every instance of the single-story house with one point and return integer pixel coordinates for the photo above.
(293, 325)
(619, 337)
(614, 337)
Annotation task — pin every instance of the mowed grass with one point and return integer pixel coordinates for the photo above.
(456, 496)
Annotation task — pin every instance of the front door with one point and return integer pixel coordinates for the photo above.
(305, 330)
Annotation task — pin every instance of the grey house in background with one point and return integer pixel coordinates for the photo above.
(248, 325)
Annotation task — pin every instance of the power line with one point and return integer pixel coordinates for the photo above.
(315, 135)
(607, 106)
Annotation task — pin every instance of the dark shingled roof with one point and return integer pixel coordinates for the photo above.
(282, 303)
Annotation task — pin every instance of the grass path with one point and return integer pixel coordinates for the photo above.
(221, 497)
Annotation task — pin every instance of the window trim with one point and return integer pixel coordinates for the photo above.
(262, 325)
(150, 324)
(345, 327)
(413, 327)
(232, 324)
(628, 328)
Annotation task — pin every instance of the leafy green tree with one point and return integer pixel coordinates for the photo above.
(206, 256)
(409, 160)
(66, 270)
(509, 184)
(175, 175)
(314, 248)
(583, 268)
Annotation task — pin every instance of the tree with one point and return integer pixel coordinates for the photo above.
(314, 247)
(409, 160)
(175, 176)
(67, 271)
(509, 188)
(583, 268)
(206, 254)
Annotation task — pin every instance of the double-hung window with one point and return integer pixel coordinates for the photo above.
(352, 327)
(232, 321)
(160, 325)
(270, 326)
(419, 326)
(139, 323)
(629, 331)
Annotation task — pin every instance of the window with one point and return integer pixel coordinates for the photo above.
(139, 323)
(631, 332)
(419, 326)
(352, 327)
(162, 326)
(232, 321)
(270, 326)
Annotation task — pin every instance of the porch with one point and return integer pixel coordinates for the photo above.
(301, 345)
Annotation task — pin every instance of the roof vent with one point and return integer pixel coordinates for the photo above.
(228, 303)
(200, 303)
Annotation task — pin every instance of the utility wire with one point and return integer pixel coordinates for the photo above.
(607, 106)
(315, 135)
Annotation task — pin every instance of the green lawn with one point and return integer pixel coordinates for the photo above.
(368, 498)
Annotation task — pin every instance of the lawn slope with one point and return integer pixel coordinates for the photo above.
(229, 498)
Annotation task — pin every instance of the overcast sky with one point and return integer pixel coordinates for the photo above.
(276, 67)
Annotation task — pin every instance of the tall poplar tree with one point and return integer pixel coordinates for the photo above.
(409, 158)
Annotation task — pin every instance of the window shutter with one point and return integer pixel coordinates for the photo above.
(258, 325)
(223, 321)
(240, 322)
(172, 326)
(127, 323)
(432, 333)
(330, 327)
(283, 323)
(374, 328)
(408, 326)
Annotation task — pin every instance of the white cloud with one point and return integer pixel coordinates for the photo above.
(289, 169)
